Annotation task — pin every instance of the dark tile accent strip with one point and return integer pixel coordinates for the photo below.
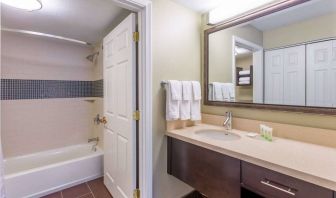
(18, 89)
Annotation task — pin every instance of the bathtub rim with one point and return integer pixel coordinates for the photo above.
(97, 153)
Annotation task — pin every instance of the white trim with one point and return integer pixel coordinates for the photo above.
(144, 10)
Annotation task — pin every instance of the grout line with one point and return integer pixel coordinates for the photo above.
(90, 189)
(84, 195)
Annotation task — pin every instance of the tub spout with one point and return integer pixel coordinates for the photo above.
(94, 147)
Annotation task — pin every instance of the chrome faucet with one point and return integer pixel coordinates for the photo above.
(94, 147)
(228, 121)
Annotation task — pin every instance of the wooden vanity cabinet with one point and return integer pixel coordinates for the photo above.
(273, 184)
(213, 174)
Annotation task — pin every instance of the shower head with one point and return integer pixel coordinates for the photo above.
(92, 57)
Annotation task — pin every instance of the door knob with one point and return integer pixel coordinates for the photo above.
(103, 120)
(98, 119)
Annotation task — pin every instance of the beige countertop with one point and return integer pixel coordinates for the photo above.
(309, 162)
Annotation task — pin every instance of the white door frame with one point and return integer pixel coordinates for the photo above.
(144, 11)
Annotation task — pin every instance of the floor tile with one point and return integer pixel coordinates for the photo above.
(98, 188)
(87, 196)
(54, 195)
(76, 191)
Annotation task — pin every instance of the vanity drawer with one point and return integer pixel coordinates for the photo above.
(272, 184)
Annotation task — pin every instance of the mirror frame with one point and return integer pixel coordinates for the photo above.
(240, 20)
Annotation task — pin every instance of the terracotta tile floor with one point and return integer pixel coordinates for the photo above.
(90, 189)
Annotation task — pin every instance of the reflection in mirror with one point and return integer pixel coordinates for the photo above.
(285, 58)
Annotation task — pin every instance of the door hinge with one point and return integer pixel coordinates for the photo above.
(136, 36)
(136, 193)
(136, 115)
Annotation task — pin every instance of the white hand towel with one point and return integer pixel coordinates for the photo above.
(196, 102)
(218, 91)
(173, 99)
(226, 91)
(244, 72)
(232, 92)
(244, 79)
(185, 108)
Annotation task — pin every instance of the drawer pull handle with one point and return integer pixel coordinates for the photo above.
(269, 184)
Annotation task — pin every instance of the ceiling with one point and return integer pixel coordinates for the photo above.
(86, 20)
(200, 5)
(295, 14)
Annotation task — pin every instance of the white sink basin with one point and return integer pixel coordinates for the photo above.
(217, 135)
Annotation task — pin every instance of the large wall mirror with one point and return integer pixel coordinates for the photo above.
(282, 60)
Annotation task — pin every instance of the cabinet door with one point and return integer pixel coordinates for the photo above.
(272, 184)
(320, 74)
(213, 174)
(294, 76)
(274, 77)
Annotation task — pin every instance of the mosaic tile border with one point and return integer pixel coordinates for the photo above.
(18, 89)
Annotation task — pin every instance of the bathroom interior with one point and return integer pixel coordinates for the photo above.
(265, 124)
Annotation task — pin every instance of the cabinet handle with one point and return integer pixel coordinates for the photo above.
(285, 190)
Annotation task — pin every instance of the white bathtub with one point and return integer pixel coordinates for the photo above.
(42, 173)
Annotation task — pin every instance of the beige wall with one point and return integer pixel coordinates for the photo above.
(220, 51)
(313, 29)
(176, 55)
(35, 125)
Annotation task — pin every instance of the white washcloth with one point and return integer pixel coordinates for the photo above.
(173, 99)
(244, 82)
(218, 91)
(196, 102)
(185, 107)
(244, 72)
(244, 79)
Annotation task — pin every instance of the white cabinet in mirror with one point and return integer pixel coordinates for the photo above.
(285, 58)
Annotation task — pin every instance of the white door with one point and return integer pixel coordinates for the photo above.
(274, 77)
(320, 74)
(258, 77)
(119, 104)
(294, 76)
(333, 73)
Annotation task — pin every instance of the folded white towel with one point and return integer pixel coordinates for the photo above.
(218, 91)
(175, 89)
(173, 99)
(228, 92)
(244, 82)
(196, 90)
(185, 107)
(244, 72)
(196, 102)
(244, 79)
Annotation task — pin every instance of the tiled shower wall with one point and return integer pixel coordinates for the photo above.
(44, 84)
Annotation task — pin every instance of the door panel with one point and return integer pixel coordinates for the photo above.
(294, 76)
(119, 104)
(258, 77)
(274, 77)
(319, 74)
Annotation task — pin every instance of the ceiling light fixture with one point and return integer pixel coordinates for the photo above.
(230, 9)
(29, 5)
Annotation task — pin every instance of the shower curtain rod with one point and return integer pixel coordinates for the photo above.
(45, 35)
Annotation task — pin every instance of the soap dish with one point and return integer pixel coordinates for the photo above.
(252, 135)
